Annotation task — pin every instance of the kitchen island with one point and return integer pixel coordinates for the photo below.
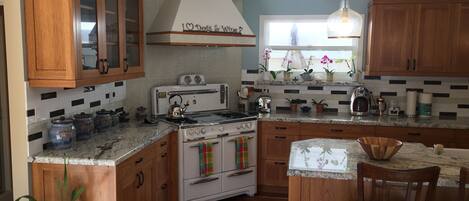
(325, 169)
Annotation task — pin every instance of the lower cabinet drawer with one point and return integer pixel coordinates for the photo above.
(274, 173)
(239, 179)
(427, 136)
(461, 139)
(277, 147)
(201, 187)
(336, 131)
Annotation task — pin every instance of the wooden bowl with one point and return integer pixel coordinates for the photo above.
(380, 148)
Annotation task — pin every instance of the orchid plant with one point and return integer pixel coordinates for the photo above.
(266, 58)
(325, 60)
(309, 70)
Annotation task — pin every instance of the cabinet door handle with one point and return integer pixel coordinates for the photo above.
(143, 177)
(280, 163)
(280, 137)
(337, 130)
(280, 128)
(164, 187)
(163, 144)
(414, 134)
(106, 66)
(408, 64)
(139, 160)
(164, 155)
(100, 65)
(126, 65)
(139, 177)
(203, 181)
(414, 65)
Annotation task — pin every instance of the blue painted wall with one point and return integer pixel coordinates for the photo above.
(255, 8)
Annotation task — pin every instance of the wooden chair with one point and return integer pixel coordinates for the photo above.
(464, 179)
(383, 180)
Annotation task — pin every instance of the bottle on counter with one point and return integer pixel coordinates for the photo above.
(84, 125)
(61, 133)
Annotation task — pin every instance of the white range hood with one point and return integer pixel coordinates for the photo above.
(200, 23)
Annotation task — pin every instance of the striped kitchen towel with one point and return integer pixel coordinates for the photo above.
(242, 157)
(205, 159)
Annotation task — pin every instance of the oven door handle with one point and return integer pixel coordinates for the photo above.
(248, 132)
(234, 139)
(197, 146)
(240, 173)
(206, 180)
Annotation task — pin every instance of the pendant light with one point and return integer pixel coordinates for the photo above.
(345, 23)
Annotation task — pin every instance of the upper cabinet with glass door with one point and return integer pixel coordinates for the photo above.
(87, 44)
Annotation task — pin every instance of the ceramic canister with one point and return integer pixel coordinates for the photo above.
(61, 133)
(425, 104)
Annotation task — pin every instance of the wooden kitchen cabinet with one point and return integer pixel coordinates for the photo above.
(335, 131)
(418, 38)
(427, 136)
(275, 173)
(145, 176)
(74, 43)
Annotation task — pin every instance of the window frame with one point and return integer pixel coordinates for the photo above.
(357, 47)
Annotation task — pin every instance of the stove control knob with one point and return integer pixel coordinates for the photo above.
(202, 131)
(221, 129)
(249, 125)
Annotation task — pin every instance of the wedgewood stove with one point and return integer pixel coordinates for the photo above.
(208, 120)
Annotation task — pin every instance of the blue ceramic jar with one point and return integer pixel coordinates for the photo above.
(84, 126)
(61, 133)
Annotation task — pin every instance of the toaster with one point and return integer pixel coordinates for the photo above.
(360, 102)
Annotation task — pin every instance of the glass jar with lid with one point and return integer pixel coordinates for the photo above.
(103, 120)
(84, 125)
(61, 133)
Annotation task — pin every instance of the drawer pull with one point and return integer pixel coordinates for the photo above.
(139, 160)
(414, 134)
(203, 181)
(337, 130)
(280, 128)
(163, 155)
(280, 163)
(164, 186)
(163, 144)
(280, 137)
(240, 173)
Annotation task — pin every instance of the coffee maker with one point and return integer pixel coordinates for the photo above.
(360, 102)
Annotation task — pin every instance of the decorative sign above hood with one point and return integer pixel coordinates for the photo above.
(200, 23)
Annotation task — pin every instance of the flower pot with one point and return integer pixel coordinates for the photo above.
(294, 107)
(330, 77)
(265, 76)
(287, 76)
(320, 108)
(306, 77)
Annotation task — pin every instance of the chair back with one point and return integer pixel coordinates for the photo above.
(388, 184)
(464, 179)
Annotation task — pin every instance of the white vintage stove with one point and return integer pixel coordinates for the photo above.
(208, 120)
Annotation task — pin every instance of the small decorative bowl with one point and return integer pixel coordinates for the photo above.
(380, 148)
(305, 109)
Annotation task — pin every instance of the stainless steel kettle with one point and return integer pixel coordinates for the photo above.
(176, 110)
(263, 103)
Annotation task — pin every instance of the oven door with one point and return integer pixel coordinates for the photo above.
(191, 158)
(229, 151)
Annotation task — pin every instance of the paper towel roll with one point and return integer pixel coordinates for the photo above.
(411, 107)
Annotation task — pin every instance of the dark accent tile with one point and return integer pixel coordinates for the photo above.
(30, 113)
(317, 88)
(291, 91)
(372, 77)
(49, 95)
(397, 82)
(247, 82)
(414, 89)
(46, 146)
(57, 113)
(345, 102)
(331, 110)
(282, 108)
(441, 95)
(121, 109)
(95, 104)
(108, 96)
(431, 82)
(78, 102)
(257, 90)
(89, 89)
(118, 84)
(254, 71)
(113, 94)
(448, 114)
(463, 106)
(338, 92)
(388, 94)
(459, 87)
(34, 136)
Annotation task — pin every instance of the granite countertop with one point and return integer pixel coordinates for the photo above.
(345, 118)
(337, 159)
(123, 141)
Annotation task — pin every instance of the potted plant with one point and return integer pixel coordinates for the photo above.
(329, 71)
(288, 73)
(264, 68)
(320, 106)
(306, 76)
(353, 72)
(294, 103)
